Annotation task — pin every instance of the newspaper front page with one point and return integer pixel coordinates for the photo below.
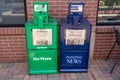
(42, 36)
(74, 37)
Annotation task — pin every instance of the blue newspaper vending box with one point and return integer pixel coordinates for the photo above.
(75, 33)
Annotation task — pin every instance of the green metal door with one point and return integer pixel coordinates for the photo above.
(51, 26)
(42, 61)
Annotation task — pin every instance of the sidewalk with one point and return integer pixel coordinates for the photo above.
(98, 70)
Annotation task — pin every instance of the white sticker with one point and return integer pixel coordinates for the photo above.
(76, 8)
(40, 7)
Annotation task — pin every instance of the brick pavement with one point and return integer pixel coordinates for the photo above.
(98, 70)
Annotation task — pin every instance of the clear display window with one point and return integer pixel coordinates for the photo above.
(75, 36)
(42, 37)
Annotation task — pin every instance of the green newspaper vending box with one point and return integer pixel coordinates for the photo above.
(41, 41)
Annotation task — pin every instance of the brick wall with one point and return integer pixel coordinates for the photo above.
(12, 45)
(59, 8)
(104, 40)
(12, 40)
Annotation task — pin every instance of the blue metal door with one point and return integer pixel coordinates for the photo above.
(74, 60)
(85, 25)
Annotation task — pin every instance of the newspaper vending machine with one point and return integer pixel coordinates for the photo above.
(41, 41)
(75, 32)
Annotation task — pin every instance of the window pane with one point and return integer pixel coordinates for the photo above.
(12, 12)
(108, 12)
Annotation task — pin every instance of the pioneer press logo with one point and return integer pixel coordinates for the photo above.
(42, 59)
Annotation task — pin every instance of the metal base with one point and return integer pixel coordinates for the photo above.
(42, 71)
(73, 70)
